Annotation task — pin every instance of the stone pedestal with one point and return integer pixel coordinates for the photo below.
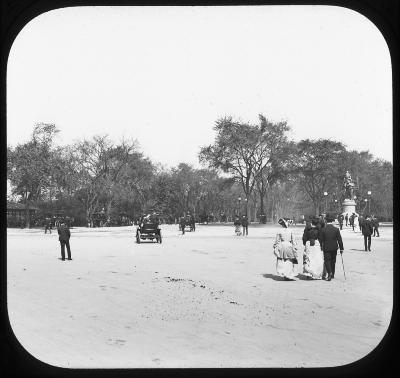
(348, 207)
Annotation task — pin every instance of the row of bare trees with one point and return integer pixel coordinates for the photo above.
(258, 164)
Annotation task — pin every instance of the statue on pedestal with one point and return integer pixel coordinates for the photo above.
(348, 185)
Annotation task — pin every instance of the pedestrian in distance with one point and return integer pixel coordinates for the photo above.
(182, 223)
(351, 221)
(64, 236)
(347, 218)
(237, 223)
(375, 225)
(360, 221)
(245, 225)
(367, 229)
(330, 240)
(47, 225)
(355, 222)
(340, 220)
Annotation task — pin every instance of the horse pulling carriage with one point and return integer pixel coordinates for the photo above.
(148, 231)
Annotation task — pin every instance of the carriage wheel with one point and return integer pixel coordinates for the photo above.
(138, 237)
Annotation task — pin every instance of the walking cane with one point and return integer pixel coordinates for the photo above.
(343, 266)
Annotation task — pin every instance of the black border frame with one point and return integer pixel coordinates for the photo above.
(16, 361)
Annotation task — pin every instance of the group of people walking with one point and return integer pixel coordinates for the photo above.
(241, 222)
(320, 244)
(355, 221)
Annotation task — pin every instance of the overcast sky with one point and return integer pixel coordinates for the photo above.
(164, 75)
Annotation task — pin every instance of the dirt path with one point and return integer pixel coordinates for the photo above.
(205, 299)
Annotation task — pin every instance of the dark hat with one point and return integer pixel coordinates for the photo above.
(314, 221)
(330, 217)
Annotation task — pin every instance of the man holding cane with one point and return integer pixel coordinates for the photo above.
(330, 240)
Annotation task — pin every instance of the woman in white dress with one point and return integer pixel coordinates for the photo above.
(285, 250)
(313, 261)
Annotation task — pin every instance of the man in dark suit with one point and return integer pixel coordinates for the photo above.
(330, 240)
(64, 236)
(182, 223)
(351, 221)
(245, 225)
(340, 220)
(321, 221)
(367, 229)
(47, 225)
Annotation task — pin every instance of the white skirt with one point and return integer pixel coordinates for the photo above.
(285, 268)
(313, 261)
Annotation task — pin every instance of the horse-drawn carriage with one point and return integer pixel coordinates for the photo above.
(190, 223)
(148, 231)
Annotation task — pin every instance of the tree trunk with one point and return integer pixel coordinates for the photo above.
(88, 218)
(317, 208)
(109, 205)
(261, 203)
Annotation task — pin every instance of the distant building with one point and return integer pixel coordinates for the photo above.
(16, 213)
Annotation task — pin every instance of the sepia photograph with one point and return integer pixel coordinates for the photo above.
(199, 187)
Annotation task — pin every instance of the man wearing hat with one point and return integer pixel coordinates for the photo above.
(64, 235)
(340, 220)
(367, 229)
(321, 221)
(330, 240)
(182, 223)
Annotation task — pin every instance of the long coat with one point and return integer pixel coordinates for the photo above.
(330, 238)
(64, 233)
(367, 227)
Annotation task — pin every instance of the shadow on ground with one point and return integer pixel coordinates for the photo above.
(274, 277)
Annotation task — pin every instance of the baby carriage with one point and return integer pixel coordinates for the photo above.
(238, 231)
(237, 225)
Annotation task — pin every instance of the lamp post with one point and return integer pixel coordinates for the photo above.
(239, 210)
(369, 201)
(245, 206)
(365, 200)
(186, 195)
(27, 214)
(336, 207)
(355, 198)
(326, 201)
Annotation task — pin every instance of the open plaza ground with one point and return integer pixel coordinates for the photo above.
(208, 298)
